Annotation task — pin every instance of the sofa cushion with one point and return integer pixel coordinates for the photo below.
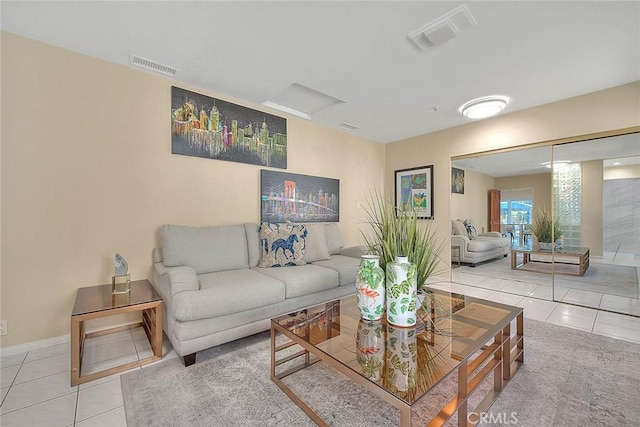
(205, 249)
(253, 243)
(315, 244)
(345, 266)
(458, 228)
(334, 238)
(304, 279)
(227, 292)
(484, 244)
(182, 279)
(281, 244)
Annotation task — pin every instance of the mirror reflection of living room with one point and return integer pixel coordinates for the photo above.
(588, 190)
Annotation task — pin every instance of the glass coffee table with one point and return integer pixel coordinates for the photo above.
(457, 336)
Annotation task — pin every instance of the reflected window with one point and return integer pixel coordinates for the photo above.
(516, 211)
(516, 206)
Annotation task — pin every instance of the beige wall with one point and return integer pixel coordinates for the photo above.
(474, 203)
(614, 108)
(591, 234)
(87, 171)
(622, 172)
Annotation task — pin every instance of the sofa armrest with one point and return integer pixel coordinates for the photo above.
(459, 240)
(491, 234)
(156, 255)
(353, 251)
(181, 278)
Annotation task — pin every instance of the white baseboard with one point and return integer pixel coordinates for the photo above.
(48, 342)
(35, 345)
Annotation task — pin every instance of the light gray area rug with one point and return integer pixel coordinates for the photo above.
(610, 279)
(569, 378)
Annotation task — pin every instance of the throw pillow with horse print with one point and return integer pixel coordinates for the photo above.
(281, 244)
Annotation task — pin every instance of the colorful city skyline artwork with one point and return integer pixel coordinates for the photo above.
(299, 198)
(202, 126)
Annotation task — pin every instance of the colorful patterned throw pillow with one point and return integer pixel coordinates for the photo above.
(315, 244)
(281, 244)
(471, 229)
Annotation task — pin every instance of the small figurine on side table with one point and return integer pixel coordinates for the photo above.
(121, 283)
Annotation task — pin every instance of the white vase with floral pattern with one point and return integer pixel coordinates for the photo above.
(402, 293)
(370, 291)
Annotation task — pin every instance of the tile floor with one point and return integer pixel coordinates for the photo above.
(36, 387)
(542, 287)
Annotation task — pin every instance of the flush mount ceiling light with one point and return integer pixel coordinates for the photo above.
(481, 108)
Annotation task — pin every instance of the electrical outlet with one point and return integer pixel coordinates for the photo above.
(3, 327)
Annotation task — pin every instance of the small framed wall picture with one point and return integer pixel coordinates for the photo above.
(414, 188)
(457, 181)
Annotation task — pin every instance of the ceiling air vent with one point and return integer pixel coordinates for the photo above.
(153, 66)
(348, 126)
(443, 29)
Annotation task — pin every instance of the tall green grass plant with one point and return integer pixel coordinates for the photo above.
(396, 232)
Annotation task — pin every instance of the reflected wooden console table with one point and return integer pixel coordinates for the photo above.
(560, 261)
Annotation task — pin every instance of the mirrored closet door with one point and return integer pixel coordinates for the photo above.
(590, 191)
(503, 194)
(596, 196)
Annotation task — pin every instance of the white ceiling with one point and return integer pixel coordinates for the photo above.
(358, 52)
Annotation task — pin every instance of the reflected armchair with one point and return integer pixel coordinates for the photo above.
(474, 247)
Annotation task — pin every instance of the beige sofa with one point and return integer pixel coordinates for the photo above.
(476, 247)
(215, 292)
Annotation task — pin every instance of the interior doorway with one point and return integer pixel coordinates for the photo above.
(494, 210)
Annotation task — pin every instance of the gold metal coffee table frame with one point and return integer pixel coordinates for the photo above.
(502, 357)
(98, 301)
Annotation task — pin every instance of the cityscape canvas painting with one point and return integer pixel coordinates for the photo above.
(207, 127)
(414, 189)
(299, 198)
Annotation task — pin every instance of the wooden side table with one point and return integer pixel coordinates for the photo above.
(97, 301)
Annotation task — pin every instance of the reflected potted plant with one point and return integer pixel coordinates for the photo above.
(546, 229)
